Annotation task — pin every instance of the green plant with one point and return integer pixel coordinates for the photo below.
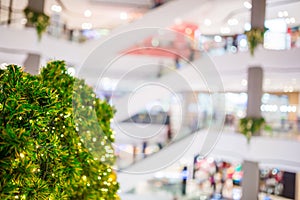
(255, 37)
(249, 126)
(39, 20)
(55, 136)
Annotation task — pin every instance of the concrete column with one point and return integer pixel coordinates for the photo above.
(37, 6)
(32, 63)
(258, 13)
(10, 11)
(191, 111)
(255, 83)
(297, 187)
(293, 101)
(250, 183)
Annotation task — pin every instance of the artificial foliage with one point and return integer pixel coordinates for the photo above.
(255, 37)
(39, 20)
(55, 136)
(249, 126)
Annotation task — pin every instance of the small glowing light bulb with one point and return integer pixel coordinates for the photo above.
(22, 155)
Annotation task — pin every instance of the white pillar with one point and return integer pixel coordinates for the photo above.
(255, 83)
(250, 183)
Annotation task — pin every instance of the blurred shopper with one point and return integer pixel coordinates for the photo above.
(184, 175)
(145, 144)
(157, 3)
(169, 128)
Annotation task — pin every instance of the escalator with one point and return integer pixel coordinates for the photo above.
(229, 146)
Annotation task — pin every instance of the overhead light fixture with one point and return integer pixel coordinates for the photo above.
(23, 21)
(86, 26)
(288, 89)
(87, 13)
(292, 20)
(225, 30)
(178, 21)
(155, 42)
(123, 16)
(218, 38)
(247, 5)
(247, 26)
(207, 22)
(188, 31)
(56, 8)
(243, 42)
(283, 13)
(244, 82)
(232, 22)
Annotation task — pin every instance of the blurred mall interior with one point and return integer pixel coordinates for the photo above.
(181, 75)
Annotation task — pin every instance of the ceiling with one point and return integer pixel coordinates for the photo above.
(211, 16)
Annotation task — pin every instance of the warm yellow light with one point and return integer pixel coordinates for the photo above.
(22, 155)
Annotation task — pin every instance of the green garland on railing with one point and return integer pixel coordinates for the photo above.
(249, 126)
(39, 20)
(255, 37)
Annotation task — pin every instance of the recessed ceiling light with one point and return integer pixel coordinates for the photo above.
(123, 16)
(244, 82)
(87, 13)
(86, 26)
(247, 26)
(225, 30)
(154, 42)
(23, 21)
(288, 88)
(218, 38)
(247, 5)
(243, 42)
(178, 21)
(56, 8)
(188, 31)
(283, 13)
(207, 22)
(292, 20)
(232, 22)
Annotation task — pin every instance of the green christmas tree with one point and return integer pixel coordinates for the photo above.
(55, 137)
